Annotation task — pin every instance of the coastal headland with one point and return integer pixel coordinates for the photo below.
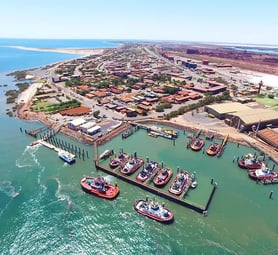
(129, 79)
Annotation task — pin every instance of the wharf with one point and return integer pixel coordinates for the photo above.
(51, 146)
(167, 133)
(158, 191)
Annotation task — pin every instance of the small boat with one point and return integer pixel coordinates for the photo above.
(197, 144)
(119, 159)
(249, 161)
(194, 183)
(154, 211)
(163, 176)
(264, 173)
(213, 149)
(153, 134)
(66, 156)
(150, 168)
(179, 183)
(99, 187)
(105, 154)
(132, 165)
(173, 133)
(34, 143)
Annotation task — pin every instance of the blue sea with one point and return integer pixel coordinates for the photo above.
(44, 211)
(263, 49)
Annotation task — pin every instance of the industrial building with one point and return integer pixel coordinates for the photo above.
(94, 130)
(243, 117)
(270, 136)
(87, 125)
(76, 123)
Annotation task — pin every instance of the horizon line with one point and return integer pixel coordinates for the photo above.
(149, 40)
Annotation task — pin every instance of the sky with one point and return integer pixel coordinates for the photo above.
(223, 21)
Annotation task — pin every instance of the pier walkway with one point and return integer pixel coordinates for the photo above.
(51, 146)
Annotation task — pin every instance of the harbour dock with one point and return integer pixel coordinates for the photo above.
(166, 133)
(51, 146)
(158, 191)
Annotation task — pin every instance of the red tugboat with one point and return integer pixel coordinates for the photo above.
(132, 165)
(150, 168)
(249, 161)
(197, 144)
(154, 211)
(163, 176)
(99, 187)
(121, 158)
(179, 183)
(264, 173)
(213, 149)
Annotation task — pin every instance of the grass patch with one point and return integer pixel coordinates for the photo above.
(41, 106)
(271, 103)
(48, 107)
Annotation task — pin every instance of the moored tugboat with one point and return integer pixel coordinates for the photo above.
(150, 168)
(197, 144)
(163, 176)
(250, 161)
(153, 210)
(264, 173)
(121, 158)
(213, 149)
(179, 183)
(132, 165)
(99, 187)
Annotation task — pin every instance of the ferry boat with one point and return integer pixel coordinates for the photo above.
(132, 165)
(249, 161)
(150, 168)
(264, 173)
(179, 183)
(197, 144)
(213, 149)
(153, 210)
(119, 159)
(163, 176)
(66, 156)
(99, 187)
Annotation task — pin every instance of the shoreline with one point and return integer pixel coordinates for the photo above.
(24, 112)
(179, 122)
(76, 51)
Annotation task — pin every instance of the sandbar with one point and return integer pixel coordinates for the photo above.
(85, 52)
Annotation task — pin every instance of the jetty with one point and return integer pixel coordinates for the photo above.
(157, 191)
(35, 132)
(210, 134)
(166, 133)
(51, 146)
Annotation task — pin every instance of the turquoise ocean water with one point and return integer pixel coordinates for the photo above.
(44, 211)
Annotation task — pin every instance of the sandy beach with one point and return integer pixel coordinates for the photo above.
(28, 94)
(84, 52)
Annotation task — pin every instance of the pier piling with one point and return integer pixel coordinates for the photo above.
(270, 194)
